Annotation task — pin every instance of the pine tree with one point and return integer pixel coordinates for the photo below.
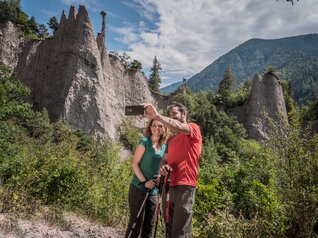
(227, 83)
(43, 32)
(136, 65)
(9, 11)
(53, 23)
(33, 26)
(154, 78)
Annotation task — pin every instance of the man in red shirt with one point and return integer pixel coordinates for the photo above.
(182, 160)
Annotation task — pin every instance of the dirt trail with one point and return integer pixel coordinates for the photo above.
(70, 226)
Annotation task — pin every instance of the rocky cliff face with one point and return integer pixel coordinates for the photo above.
(11, 44)
(77, 81)
(265, 106)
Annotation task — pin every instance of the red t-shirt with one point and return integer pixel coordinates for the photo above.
(183, 156)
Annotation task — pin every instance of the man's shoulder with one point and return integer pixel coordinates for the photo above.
(194, 126)
(195, 131)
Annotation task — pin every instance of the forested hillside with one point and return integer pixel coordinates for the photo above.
(170, 88)
(294, 58)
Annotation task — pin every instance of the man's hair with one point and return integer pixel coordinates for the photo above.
(180, 107)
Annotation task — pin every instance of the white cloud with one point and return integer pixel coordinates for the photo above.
(150, 39)
(191, 34)
(128, 34)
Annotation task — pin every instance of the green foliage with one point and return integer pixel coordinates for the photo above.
(227, 84)
(245, 188)
(130, 134)
(214, 124)
(58, 174)
(43, 31)
(135, 65)
(310, 110)
(241, 94)
(293, 113)
(11, 93)
(230, 97)
(240, 191)
(271, 70)
(51, 164)
(10, 10)
(221, 224)
(297, 166)
(53, 23)
(188, 100)
(245, 191)
(154, 77)
(32, 24)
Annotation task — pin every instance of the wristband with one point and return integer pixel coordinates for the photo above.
(143, 183)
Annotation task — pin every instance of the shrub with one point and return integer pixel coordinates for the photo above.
(129, 133)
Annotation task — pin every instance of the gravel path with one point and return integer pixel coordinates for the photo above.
(70, 226)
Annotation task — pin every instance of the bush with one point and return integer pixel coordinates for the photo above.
(297, 168)
(221, 224)
(53, 165)
(129, 133)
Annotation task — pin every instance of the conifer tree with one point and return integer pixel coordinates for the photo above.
(53, 23)
(33, 26)
(43, 32)
(136, 65)
(227, 83)
(154, 78)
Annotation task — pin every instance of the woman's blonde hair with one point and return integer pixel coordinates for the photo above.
(163, 138)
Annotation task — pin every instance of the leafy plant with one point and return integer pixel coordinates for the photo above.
(130, 134)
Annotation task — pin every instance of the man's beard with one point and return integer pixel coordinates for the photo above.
(177, 118)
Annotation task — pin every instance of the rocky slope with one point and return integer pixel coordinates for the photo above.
(265, 106)
(73, 77)
(11, 44)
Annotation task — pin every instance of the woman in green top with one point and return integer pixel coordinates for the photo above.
(147, 156)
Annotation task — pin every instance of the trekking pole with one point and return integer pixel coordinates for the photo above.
(141, 208)
(139, 212)
(162, 178)
(167, 201)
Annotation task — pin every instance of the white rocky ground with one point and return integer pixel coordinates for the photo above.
(40, 226)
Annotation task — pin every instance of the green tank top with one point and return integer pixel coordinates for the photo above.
(149, 163)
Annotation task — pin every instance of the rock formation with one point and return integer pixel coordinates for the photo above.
(72, 76)
(76, 80)
(11, 44)
(265, 106)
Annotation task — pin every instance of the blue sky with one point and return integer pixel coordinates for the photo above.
(185, 35)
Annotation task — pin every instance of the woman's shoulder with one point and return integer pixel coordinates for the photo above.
(144, 140)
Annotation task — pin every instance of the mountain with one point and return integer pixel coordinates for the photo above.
(294, 58)
(170, 88)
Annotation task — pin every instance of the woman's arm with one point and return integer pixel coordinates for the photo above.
(139, 152)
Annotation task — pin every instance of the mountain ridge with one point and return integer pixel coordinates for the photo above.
(294, 57)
